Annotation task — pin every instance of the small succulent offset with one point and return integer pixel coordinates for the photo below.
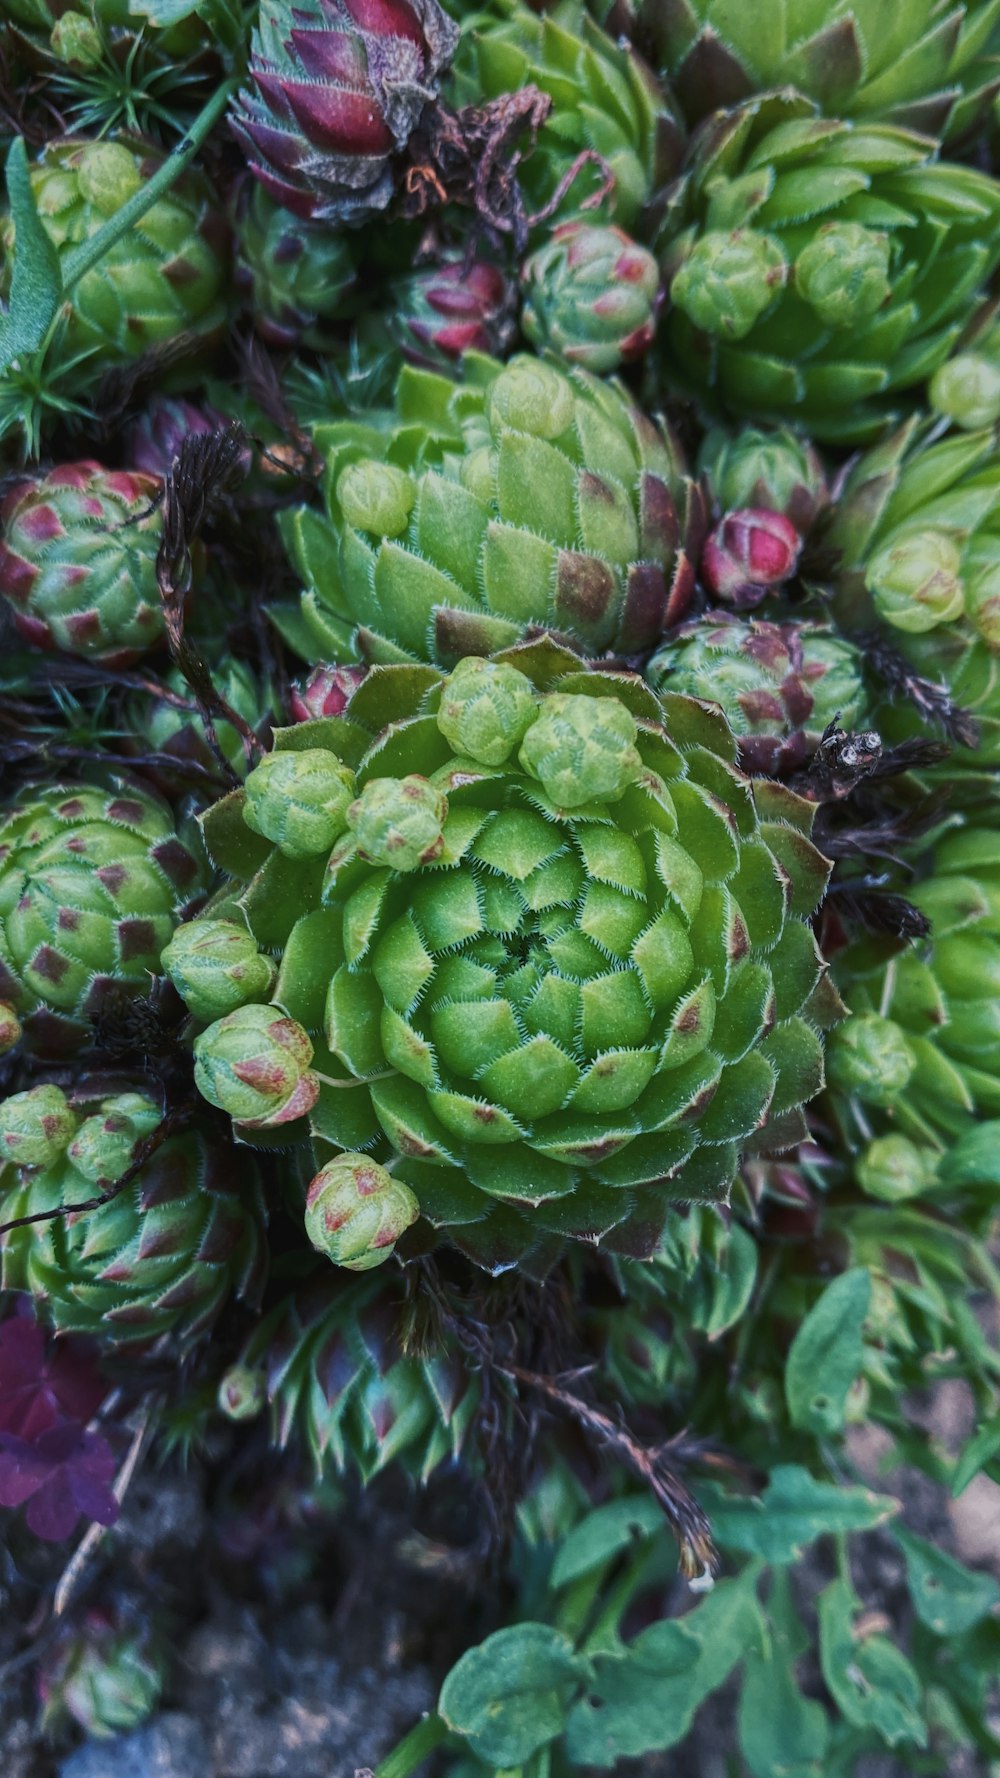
(556, 947)
(593, 295)
(105, 1675)
(78, 561)
(526, 497)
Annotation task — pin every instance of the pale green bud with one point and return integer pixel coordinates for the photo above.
(76, 40)
(299, 800)
(894, 1168)
(242, 1393)
(844, 273)
(254, 1064)
(982, 602)
(356, 1212)
(215, 966)
(104, 1146)
(530, 396)
(486, 706)
(108, 174)
(868, 1056)
(967, 390)
(916, 581)
(582, 749)
(399, 821)
(36, 1126)
(10, 1028)
(376, 497)
(728, 280)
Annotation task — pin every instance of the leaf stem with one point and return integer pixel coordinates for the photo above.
(413, 1749)
(86, 256)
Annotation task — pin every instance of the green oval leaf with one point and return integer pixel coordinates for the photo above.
(510, 1696)
(826, 1354)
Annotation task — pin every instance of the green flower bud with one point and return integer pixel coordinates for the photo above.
(778, 470)
(582, 749)
(591, 294)
(109, 174)
(478, 473)
(916, 581)
(254, 1064)
(104, 1146)
(399, 821)
(76, 40)
(869, 1057)
(376, 497)
(728, 280)
(982, 603)
(844, 273)
(10, 1028)
(356, 1212)
(215, 966)
(967, 390)
(36, 1126)
(894, 1168)
(299, 800)
(529, 396)
(486, 708)
(242, 1393)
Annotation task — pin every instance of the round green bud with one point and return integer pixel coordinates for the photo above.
(916, 581)
(399, 821)
(215, 966)
(76, 40)
(530, 396)
(844, 273)
(478, 473)
(982, 603)
(254, 1064)
(108, 175)
(299, 800)
(10, 1028)
(242, 1393)
(894, 1168)
(36, 1126)
(356, 1212)
(728, 280)
(869, 1057)
(105, 1145)
(582, 749)
(376, 497)
(967, 390)
(486, 706)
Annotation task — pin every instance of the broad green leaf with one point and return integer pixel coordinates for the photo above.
(603, 1534)
(794, 1509)
(509, 1696)
(647, 1701)
(977, 1453)
(870, 1679)
(782, 1734)
(36, 287)
(826, 1354)
(948, 1597)
(231, 844)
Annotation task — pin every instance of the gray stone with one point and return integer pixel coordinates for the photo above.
(170, 1746)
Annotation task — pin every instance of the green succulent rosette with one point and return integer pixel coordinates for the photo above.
(106, 1675)
(966, 388)
(592, 295)
(525, 497)
(604, 98)
(778, 684)
(93, 879)
(926, 66)
(296, 276)
(774, 468)
(817, 268)
(336, 1380)
(164, 279)
(915, 542)
(558, 976)
(160, 1257)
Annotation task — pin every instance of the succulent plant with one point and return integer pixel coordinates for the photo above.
(215, 966)
(324, 692)
(524, 497)
(779, 684)
(604, 99)
(106, 1675)
(592, 294)
(93, 879)
(562, 962)
(923, 65)
(165, 278)
(337, 1378)
(78, 561)
(777, 469)
(336, 89)
(966, 388)
(440, 313)
(749, 554)
(296, 276)
(821, 319)
(160, 430)
(171, 725)
(161, 1256)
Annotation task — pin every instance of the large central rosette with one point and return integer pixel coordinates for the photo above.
(556, 948)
